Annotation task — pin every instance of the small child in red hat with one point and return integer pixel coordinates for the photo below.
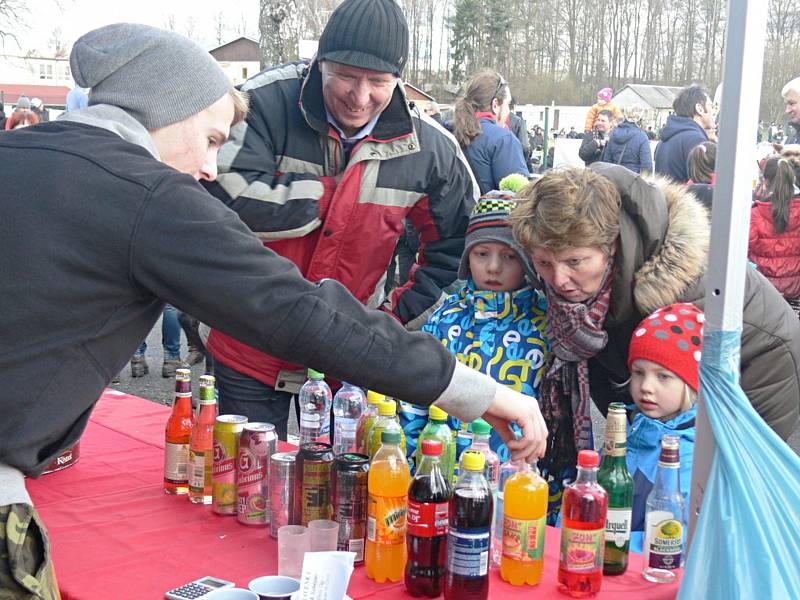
(664, 361)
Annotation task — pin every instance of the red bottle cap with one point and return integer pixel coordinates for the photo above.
(431, 447)
(588, 459)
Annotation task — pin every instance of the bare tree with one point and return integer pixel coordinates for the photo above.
(220, 27)
(12, 14)
(277, 31)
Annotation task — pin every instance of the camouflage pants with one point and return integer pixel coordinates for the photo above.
(26, 569)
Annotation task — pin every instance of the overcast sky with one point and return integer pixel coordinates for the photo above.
(76, 17)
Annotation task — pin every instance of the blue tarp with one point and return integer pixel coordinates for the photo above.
(747, 540)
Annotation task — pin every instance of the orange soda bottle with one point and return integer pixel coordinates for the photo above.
(201, 444)
(524, 512)
(177, 434)
(387, 485)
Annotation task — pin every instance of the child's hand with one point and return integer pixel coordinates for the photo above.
(509, 407)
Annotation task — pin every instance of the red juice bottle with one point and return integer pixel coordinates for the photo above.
(584, 508)
(428, 512)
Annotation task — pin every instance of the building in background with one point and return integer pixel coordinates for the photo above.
(655, 99)
(240, 59)
(36, 76)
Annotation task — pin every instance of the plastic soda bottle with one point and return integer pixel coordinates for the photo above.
(664, 520)
(481, 432)
(428, 499)
(177, 436)
(348, 404)
(618, 483)
(524, 514)
(463, 442)
(386, 421)
(437, 429)
(387, 504)
(315, 405)
(201, 444)
(507, 469)
(367, 419)
(469, 535)
(580, 567)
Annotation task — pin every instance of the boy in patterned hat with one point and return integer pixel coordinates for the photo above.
(495, 323)
(663, 360)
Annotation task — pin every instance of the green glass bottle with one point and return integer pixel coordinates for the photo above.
(618, 483)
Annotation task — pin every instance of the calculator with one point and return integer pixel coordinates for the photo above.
(199, 588)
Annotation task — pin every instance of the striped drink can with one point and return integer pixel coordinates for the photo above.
(227, 429)
(281, 490)
(257, 443)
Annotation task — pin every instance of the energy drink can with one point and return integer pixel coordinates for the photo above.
(281, 490)
(312, 483)
(227, 429)
(257, 443)
(350, 472)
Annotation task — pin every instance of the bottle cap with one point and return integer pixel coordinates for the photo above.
(387, 408)
(481, 427)
(437, 414)
(183, 374)
(588, 459)
(431, 447)
(375, 397)
(474, 460)
(616, 407)
(390, 437)
(312, 374)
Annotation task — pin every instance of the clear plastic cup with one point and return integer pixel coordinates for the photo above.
(324, 535)
(293, 543)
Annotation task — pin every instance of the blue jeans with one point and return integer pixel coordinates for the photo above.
(170, 335)
(240, 394)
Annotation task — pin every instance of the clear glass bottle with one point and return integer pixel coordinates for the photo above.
(315, 400)
(201, 444)
(665, 517)
(348, 405)
(618, 483)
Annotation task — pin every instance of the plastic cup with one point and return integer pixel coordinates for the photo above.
(274, 587)
(293, 543)
(324, 535)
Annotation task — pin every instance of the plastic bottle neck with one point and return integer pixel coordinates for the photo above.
(428, 463)
(481, 440)
(587, 475)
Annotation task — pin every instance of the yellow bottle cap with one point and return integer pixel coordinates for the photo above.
(474, 460)
(387, 408)
(437, 414)
(375, 398)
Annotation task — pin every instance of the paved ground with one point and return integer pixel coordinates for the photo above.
(154, 387)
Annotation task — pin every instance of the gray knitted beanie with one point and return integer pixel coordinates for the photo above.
(159, 77)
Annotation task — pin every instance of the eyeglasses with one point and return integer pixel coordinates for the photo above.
(499, 87)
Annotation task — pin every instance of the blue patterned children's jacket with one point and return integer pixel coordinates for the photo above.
(500, 334)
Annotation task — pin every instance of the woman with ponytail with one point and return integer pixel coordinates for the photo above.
(479, 126)
(775, 229)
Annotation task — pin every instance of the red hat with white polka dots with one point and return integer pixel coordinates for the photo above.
(671, 337)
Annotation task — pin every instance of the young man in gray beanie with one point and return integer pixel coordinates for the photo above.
(119, 227)
(330, 162)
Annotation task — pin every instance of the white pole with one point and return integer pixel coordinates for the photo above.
(741, 91)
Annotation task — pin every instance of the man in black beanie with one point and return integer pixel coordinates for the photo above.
(90, 254)
(329, 164)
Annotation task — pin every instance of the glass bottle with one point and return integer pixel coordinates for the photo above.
(315, 400)
(177, 435)
(201, 444)
(665, 516)
(580, 566)
(618, 483)
(428, 499)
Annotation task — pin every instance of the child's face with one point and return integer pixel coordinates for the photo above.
(657, 392)
(496, 267)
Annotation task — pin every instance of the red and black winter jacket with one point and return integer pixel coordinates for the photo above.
(285, 173)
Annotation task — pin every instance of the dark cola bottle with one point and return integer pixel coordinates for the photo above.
(428, 510)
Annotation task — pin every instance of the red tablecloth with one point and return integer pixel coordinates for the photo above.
(115, 534)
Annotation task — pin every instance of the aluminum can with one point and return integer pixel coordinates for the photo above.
(312, 483)
(227, 429)
(281, 490)
(257, 443)
(350, 473)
